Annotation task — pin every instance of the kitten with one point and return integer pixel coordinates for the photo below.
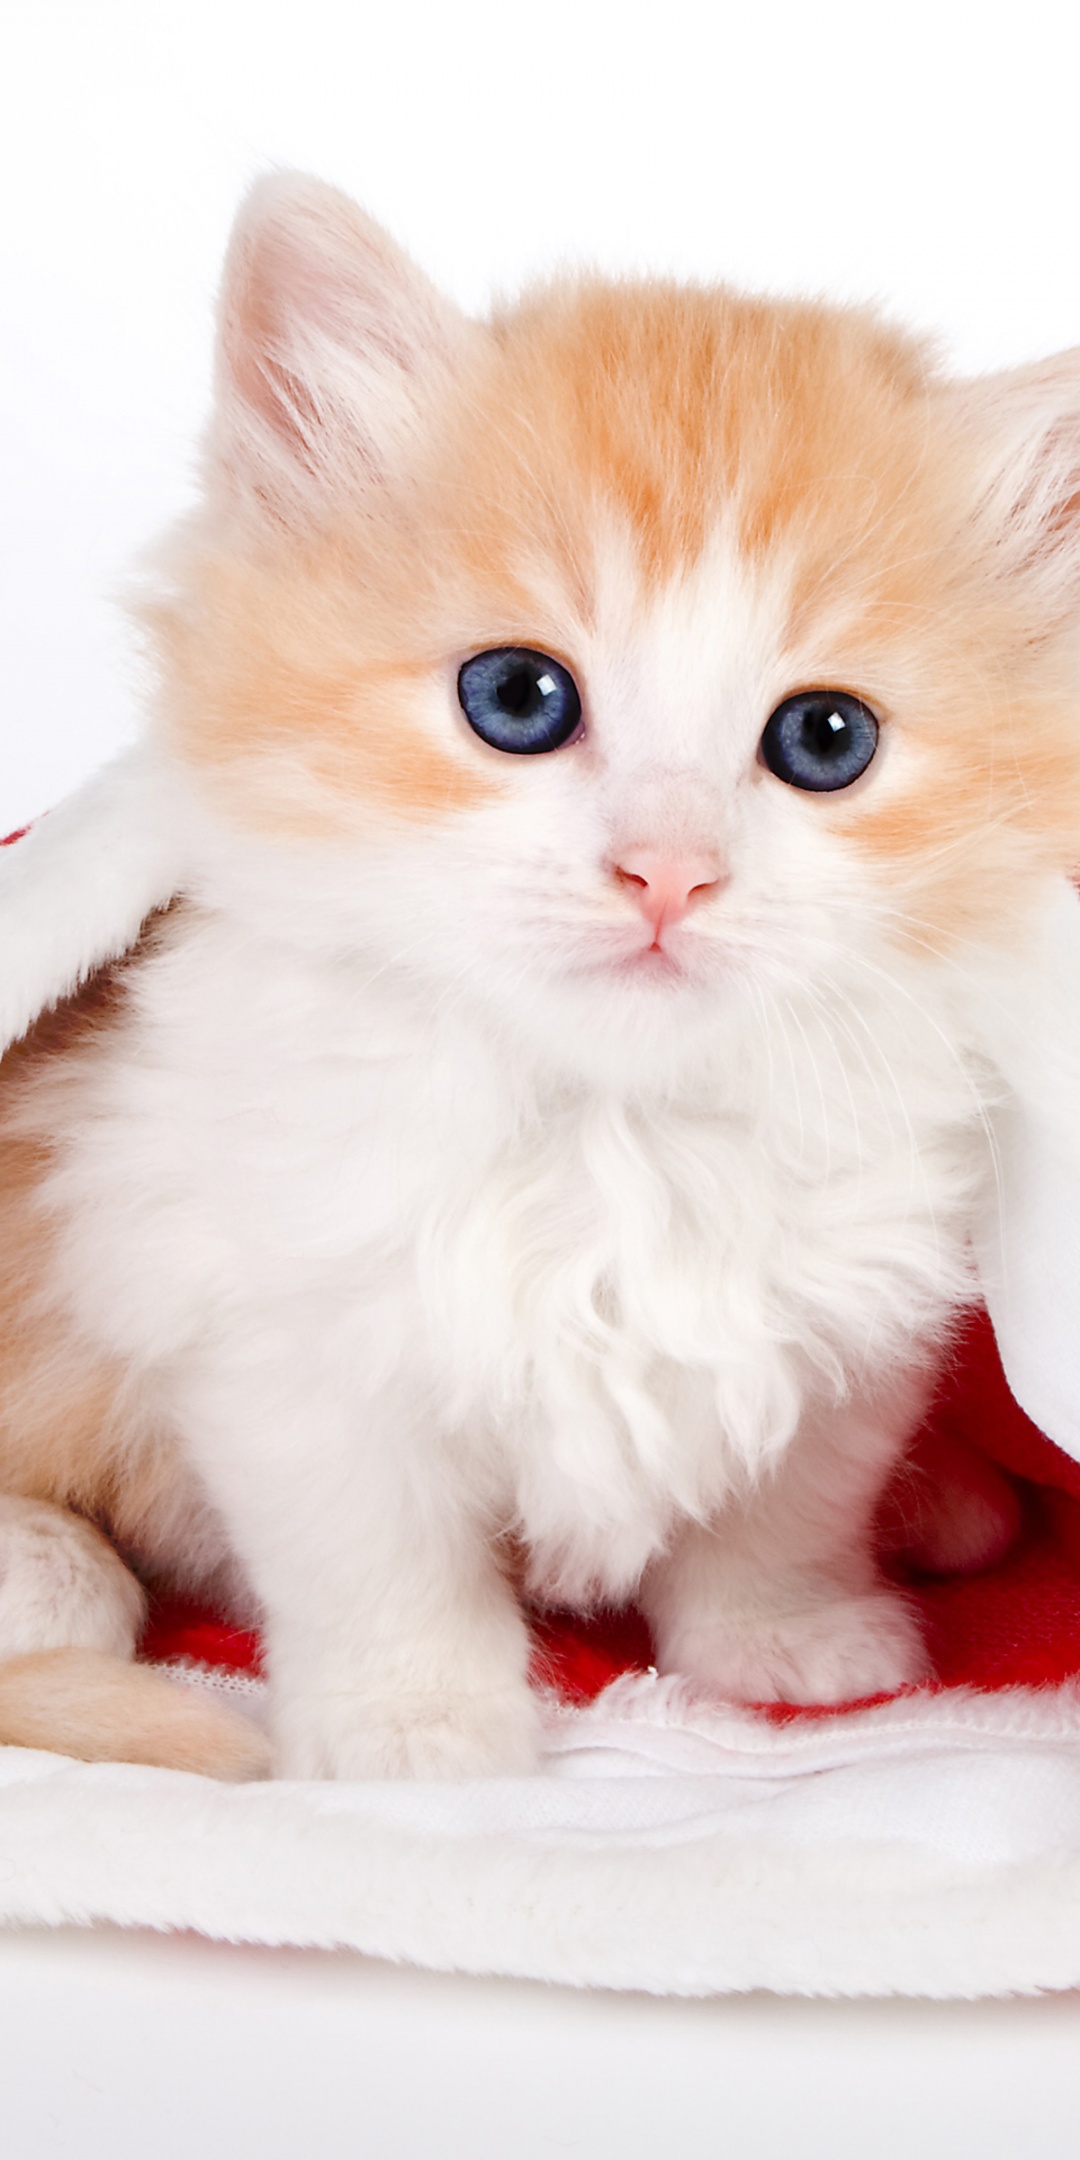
(613, 749)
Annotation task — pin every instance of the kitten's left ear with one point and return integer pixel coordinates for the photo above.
(332, 345)
(1026, 425)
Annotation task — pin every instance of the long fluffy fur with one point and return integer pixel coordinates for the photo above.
(400, 1234)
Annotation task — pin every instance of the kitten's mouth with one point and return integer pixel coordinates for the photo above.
(665, 960)
(649, 963)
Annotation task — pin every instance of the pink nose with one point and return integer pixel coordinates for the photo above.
(665, 887)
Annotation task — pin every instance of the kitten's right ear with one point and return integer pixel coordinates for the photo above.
(1025, 425)
(331, 344)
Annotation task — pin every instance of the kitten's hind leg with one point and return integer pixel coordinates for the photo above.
(780, 1599)
(70, 1617)
(61, 1584)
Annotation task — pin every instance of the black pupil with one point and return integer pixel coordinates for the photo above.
(519, 693)
(824, 731)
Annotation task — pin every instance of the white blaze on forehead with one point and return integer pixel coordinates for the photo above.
(683, 676)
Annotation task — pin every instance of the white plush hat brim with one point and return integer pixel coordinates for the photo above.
(928, 1847)
(1028, 1246)
(77, 888)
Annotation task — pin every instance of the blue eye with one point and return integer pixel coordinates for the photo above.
(519, 700)
(820, 739)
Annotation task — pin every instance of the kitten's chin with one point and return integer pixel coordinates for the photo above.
(675, 987)
(646, 1021)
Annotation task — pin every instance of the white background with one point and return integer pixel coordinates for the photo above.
(923, 155)
(123, 2046)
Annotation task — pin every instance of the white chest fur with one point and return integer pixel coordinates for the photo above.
(602, 1309)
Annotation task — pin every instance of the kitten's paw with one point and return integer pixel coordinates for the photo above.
(444, 1735)
(62, 1587)
(835, 1651)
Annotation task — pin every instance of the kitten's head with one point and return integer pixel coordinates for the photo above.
(643, 647)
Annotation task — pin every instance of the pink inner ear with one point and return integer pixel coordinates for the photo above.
(270, 291)
(323, 322)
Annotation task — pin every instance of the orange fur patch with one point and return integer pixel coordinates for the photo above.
(73, 1429)
(57, 1397)
(283, 686)
(684, 406)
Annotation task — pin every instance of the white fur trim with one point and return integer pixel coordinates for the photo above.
(930, 1846)
(1029, 1249)
(76, 890)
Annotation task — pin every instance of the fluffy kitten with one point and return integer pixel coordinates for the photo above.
(613, 748)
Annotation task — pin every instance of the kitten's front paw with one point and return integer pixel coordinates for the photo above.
(835, 1651)
(441, 1735)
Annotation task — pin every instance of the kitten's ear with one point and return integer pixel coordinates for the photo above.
(1027, 429)
(331, 344)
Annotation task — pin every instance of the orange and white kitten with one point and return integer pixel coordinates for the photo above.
(539, 1151)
